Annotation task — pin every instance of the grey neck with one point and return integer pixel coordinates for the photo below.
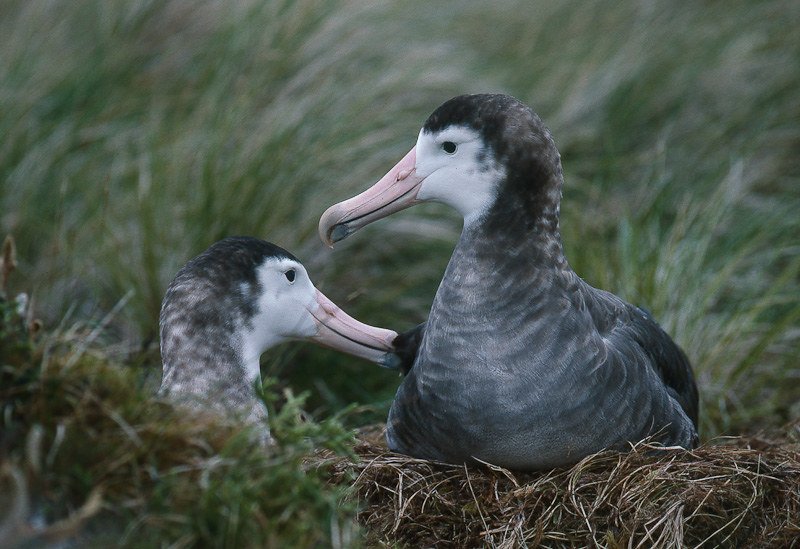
(498, 268)
(494, 292)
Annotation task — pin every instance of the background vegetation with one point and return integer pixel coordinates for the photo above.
(134, 133)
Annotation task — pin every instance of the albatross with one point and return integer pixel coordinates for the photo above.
(521, 363)
(228, 305)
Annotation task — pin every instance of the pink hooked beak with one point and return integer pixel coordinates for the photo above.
(397, 190)
(338, 330)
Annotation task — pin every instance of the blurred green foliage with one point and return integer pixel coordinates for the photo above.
(136, 133)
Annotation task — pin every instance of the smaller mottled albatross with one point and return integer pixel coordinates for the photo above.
(231, 303)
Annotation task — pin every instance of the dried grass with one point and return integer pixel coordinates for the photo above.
(732, 492)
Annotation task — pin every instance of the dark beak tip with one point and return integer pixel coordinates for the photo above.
(391, 361)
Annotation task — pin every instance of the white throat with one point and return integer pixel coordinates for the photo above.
(252, 349)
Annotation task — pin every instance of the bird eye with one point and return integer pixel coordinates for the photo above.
(290, 275)
(449, 147)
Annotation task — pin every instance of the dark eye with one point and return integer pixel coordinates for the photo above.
(290, 275)
(449, 147)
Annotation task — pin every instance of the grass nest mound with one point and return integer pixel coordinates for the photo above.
(732, 492)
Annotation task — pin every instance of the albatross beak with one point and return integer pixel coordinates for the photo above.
(397, 190)
(338, 330)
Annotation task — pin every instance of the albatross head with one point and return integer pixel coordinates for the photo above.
(240, 297)
(480, 154)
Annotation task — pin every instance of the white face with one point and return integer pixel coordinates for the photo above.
(285, 306)
(290, 307)
(457, 170)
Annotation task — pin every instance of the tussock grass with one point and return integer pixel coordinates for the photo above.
(134, 134)
(737, 492)
(145, 131)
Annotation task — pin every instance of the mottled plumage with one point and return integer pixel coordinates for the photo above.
(521, 363)
(208, 306)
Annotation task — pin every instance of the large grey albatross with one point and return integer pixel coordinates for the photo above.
(521, 363)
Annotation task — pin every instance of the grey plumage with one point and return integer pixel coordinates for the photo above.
(530, 367)
(406, 347)
(521, 363)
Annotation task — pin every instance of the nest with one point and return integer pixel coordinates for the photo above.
(733, 492)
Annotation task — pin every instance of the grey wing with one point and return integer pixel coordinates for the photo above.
(668, 360)
(406, 347)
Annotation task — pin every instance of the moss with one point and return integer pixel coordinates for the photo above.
(82, 429)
